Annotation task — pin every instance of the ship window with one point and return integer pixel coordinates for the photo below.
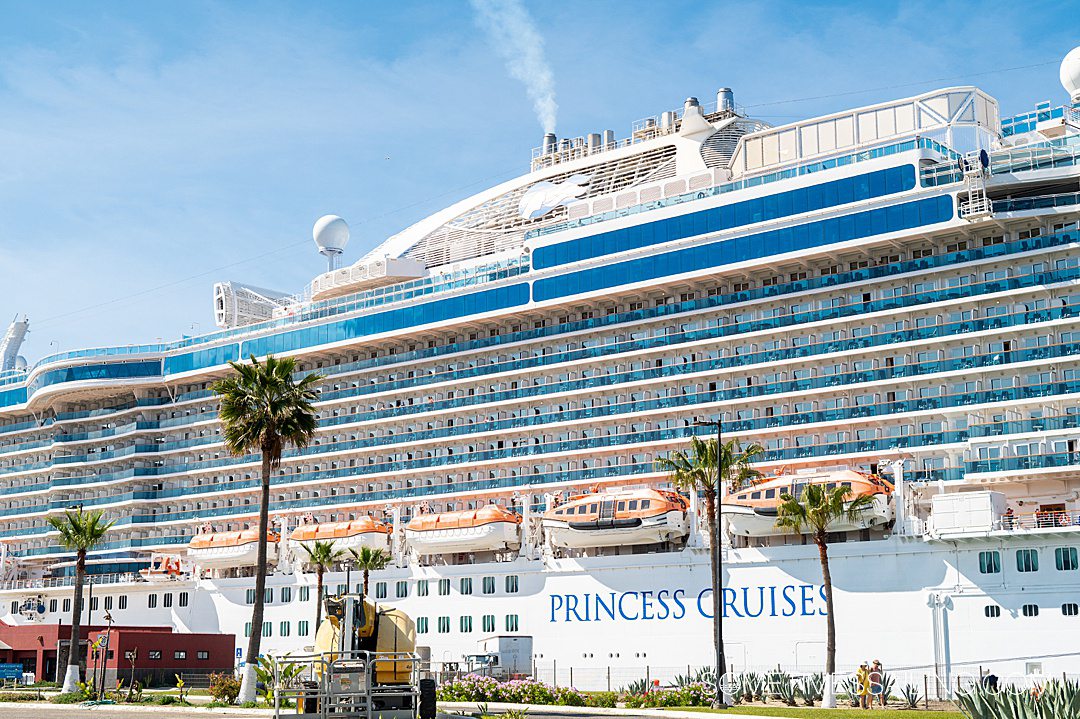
(489, 585)
(645, 503)
(284, 629)
(151, 600)
(465, 585)
(511, 584)
(181, 654)
(622, 506)
(755, 495)
(249, 596)
(422, 625)
(183, 599)
(1065, 559)
(108, 603)
(247, 633)
(15, 607)
(444, 587)
(582, 509)
(489, 622)
(1027, 560)
(52, 605)
(444, 625)
(992, 611)
(1030, 610)
(380, 590)
(989, 562)
(156, 653)
(305, 594)
(122, 603)
(302, 628)
(465, 624)
(267, 629)
(166, 599)
(592, 508)
(93, 604)
(342, 589)
(286, 596)
(1070, 609)
(633, 504)
(511, 622)
(204, 655)
(422, 588)
(770, 493)
(402, 589)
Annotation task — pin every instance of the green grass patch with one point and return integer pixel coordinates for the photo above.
(815, 713)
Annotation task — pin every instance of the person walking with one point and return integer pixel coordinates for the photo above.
(877, 684)
(862, 679)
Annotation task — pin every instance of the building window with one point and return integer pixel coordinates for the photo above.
(267, 629)
(122, 603)
(202, 655)
(380, 590)
(489, 622)
(179, 654)
(183, 599)
(444, 587)
(286, 594)
(1065, 559)
(283, 629)
(992, 611)
(108, 603)
(511, 584)
(466, 585)
(247, 629)
(990, 562)
(444, 625)
(155, 654)
(305, 593)
(489, 585)
(67, 605)
(302, 628)
(422, 588)
(466, 624)
(249, 597)
(166, 599)
(1070, 609)
(421, 625)
(511, 622)
(1027, 560)
(151, 600)
(402, 589)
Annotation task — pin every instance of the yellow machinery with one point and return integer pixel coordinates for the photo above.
(364, 666)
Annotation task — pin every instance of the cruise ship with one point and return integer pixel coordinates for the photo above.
(887, 297)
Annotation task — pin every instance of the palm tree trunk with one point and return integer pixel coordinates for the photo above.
(826, 579)
(714, 552)
(318, 596)
(72, 675)
(251, 659)
(365, 582)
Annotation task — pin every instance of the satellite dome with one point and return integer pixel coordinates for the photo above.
(1070, 74)
(331, 234)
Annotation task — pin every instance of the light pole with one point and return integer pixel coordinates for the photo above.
(719, 698)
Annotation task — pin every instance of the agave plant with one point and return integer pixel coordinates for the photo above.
(1055, 699)
(783, 688)
(887, 684)
(636, 687)
(911, 696)
(850, 687)
(706, 675)
(811, 687)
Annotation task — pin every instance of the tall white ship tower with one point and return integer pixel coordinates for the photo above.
(886, 296)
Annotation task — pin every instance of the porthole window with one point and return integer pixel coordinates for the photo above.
(992, 611)
(1070, 609)
(1030, 610)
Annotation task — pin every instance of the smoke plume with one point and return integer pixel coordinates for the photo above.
(515, 37)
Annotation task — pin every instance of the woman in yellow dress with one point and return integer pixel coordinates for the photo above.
(862, 678)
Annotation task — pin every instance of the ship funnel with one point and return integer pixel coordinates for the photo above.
(550, 142)
(725, 100)
(609, 139)
(690, 102)
(593, 141)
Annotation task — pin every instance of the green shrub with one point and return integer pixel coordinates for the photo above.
(20, 697)
(69, 698)
(224, 688)
(603, 700)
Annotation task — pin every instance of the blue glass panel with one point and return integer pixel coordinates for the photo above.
(201, 359)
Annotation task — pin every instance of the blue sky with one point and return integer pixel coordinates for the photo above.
(149, 149)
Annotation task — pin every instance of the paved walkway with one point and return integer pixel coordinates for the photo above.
(550, 710)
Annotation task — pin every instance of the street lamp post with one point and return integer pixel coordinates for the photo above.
(719, 700)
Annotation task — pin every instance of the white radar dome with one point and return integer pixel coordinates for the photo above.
(331, 234)
(1070, 74)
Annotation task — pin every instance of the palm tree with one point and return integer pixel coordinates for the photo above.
(695, 471)
(322, 555)
(370, 560)
(80, 532)
(263, 408)
(813, 512)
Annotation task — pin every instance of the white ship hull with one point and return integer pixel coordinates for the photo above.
(651, 530)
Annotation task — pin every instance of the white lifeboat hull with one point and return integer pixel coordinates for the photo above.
(649, 530)
(371, 540)
(751, 522)
(242, 555)
(489, 537)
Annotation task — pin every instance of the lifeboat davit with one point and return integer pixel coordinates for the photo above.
(354, 534)
(488, 529)
(752, 512)
(219, 550)
(612, 519)
(163, 568)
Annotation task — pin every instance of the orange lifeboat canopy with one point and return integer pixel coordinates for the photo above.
(463, 519)
(329, 531)
(215, 540)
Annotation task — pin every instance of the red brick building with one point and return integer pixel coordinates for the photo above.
(159, 651)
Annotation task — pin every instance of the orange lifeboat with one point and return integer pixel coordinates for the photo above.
(612, 519)
(163, 568)
(752, 512)
(490, 528)
(219, 550)
(354, 534)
